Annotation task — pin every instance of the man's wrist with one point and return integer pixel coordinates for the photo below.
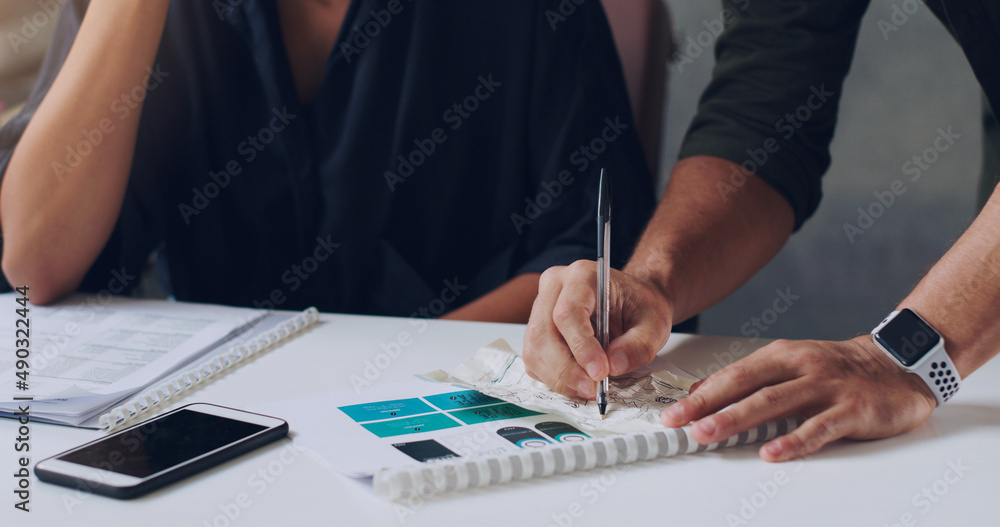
(658, 277)
(884, 363)
(959, 340)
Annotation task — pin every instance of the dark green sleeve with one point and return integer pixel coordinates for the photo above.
(991, 155)
(772, 103)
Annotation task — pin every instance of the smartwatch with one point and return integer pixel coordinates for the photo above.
(918, 348)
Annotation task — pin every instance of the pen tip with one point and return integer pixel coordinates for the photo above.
(602, 417)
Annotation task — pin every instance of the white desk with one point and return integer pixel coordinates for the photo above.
(851, 483)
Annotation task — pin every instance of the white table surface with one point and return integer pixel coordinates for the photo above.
(850, 483)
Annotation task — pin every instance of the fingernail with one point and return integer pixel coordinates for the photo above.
(619, 363)
(695, 386)
(773, 448)
(706, 426)
(593, 369)
(585, 387)
(676, 412)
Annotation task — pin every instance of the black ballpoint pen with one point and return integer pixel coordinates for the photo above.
(603, 278)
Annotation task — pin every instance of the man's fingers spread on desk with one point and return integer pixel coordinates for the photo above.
(813, 434)
(725, 387)
(769, 402)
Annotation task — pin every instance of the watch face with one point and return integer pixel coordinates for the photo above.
(907, 337)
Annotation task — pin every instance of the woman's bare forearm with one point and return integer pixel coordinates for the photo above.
(64, 186)
(511, 302)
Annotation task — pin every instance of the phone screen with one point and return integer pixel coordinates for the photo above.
(162, 443)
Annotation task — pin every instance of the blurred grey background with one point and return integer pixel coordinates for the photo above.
(900, 90)
(26, 30)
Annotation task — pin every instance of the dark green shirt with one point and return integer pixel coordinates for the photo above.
(780, 65)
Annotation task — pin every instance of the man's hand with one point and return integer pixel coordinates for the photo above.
(844, 389)
(560, 347)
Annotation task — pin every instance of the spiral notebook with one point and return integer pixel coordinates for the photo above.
(271, 332)
(424, 438)
(101, 362)
(422, 481)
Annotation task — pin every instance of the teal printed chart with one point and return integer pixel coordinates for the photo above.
(492, 413)
(411, 425)
(386, 409)
(414, 415)
(459, 400)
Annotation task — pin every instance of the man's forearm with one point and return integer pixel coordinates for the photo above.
(702, 244)
(960, 296)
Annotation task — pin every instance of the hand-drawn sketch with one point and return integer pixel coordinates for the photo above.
(635, 400)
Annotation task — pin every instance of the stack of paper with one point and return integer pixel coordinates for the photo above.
(86, 356)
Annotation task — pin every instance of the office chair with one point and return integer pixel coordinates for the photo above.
(644, 38)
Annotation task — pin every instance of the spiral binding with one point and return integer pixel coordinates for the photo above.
(447, 476)
(219, 363)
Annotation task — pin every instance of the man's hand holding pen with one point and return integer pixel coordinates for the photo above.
(561, 348)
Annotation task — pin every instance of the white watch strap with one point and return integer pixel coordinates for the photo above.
(940, 374)
(936, 369)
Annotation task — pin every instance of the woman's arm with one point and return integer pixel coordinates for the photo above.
(511, 302)
(59, 203)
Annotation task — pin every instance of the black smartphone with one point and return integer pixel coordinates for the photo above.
(160, 451)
